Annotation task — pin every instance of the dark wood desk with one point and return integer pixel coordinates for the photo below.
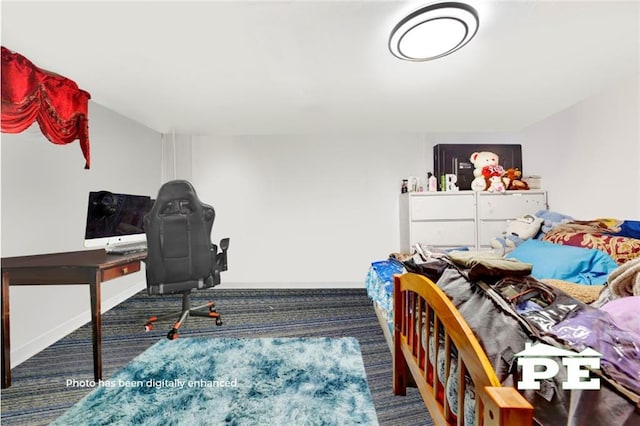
(90, 267)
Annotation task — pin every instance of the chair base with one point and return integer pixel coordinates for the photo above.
(207, 310)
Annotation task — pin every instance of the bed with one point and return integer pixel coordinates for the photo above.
(461, 357)
(452, 339)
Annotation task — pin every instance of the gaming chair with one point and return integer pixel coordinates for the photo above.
(180, 255)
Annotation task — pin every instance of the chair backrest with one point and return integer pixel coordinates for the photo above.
(180, 255)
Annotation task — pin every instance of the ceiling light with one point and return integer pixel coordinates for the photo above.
(434, 31)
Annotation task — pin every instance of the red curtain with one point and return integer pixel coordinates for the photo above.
(32, 94)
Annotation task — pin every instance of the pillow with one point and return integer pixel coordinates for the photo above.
(573, 264)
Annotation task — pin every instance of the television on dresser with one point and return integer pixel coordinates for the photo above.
(114, 218)
(456, 159)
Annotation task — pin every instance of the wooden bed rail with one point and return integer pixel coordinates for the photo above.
(424, 314)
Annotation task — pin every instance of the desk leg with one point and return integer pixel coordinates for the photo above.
(96, 324)
(6, 339)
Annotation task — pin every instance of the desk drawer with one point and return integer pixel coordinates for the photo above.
(120, 270)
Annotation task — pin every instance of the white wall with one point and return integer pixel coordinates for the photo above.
(589, 154)
(44, 201)
(306, 210)
(176, 156)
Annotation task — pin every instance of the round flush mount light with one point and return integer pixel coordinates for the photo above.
(434, 31)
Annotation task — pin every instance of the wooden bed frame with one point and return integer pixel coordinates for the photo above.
(415, 296)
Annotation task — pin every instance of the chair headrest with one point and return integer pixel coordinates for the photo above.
(177, 196)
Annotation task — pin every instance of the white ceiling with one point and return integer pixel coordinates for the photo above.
(268, 67)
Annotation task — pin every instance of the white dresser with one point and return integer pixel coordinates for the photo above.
(462, 218)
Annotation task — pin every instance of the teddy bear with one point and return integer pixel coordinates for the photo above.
(495, 184)
(517, 231)
(512, 178)
(486, 168)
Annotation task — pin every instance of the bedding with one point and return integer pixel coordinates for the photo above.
(485, 315)
(379, 282)
(568, 263)
(575, 286)
(625, 281)
(621, 249)
(619, 346)
(629, 229)
(489, 264)
(619, 239)
(624, 312)
(584, 293)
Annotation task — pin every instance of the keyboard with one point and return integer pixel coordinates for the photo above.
(126, 248)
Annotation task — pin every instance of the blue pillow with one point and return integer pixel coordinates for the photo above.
(574, 264)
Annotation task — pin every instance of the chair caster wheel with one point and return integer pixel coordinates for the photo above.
(172, 335)
(218, 322)
(148, 327)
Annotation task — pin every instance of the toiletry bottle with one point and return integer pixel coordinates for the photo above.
(432, 182)
(405, 186)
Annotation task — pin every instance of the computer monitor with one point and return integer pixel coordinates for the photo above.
(115, 218)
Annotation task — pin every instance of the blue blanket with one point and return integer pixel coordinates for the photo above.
(379, 282)
(629, 229)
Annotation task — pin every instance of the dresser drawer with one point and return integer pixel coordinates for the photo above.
(120, 270)
(509, 205)
(444, 233)
(455, 206)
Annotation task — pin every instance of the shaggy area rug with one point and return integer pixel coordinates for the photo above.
(301, 381)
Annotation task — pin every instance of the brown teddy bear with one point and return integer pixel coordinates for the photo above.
(512, 180)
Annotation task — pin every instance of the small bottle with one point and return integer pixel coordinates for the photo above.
(432, 182)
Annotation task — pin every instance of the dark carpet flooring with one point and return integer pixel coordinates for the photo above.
(39, 392)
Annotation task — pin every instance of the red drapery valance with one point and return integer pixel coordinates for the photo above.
(32, 94)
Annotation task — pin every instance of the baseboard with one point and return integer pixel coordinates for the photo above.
(37, 344)
(291, 285)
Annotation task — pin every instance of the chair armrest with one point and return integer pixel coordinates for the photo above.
(222, 255)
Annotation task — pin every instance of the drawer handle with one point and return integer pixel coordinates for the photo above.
(125, 270)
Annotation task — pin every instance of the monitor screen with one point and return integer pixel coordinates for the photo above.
(115, 218)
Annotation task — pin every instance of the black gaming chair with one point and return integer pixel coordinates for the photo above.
(180, 255)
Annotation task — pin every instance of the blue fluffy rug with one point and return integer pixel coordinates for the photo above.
(288, 381)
